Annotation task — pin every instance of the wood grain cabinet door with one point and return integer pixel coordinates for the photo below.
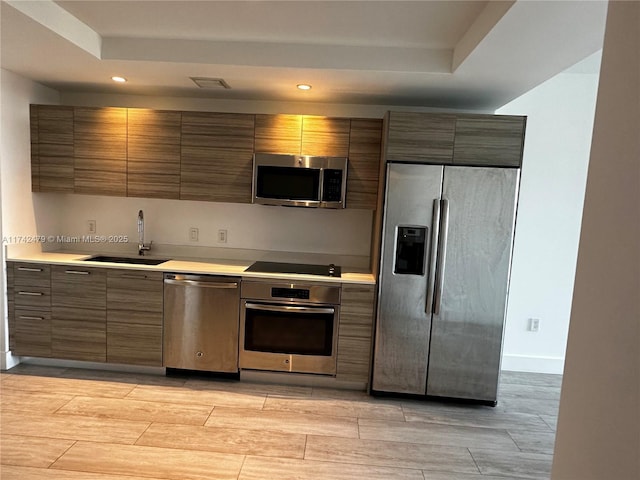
(52, 148)
(355, 333)
(78, 313)
(325, 136)
(364, 163)
(153, 153)
(100, 145)
(489, 140)
(217, 157)
(134, 317)
(278, 134)
(420, 137)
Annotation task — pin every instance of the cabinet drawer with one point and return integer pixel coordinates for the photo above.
(32, 333)
(83, 288)
(32, 274)
(32, 297)
(134, 291)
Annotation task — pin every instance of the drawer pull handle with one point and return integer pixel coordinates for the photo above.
(135, 277)
(77, 272)
(28, 317)
(29, 269)
(32, 294)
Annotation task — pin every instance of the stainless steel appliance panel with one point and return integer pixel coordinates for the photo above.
(404, 318)
(467, 331)
(289, 327)
(201, 322)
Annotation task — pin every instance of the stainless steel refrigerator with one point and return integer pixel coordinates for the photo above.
(446, 256)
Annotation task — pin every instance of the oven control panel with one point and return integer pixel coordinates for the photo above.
(297, 293)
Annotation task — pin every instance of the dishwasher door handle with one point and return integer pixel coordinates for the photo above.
(195, 283)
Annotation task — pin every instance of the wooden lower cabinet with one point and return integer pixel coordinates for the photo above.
(134, 317)
(29, 309)
(78, 313)
(356, 333)
(32, 334)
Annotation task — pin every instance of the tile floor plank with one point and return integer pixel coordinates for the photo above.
(30, 473)
(471, 416)
(225, 440)
(261, 468)
(197, 396)
(335, 407)
(13, 400)
(72, 427)
(284, 422)
(513, 464)
(31, 451)
(389, 454)
(125, 409)
(436, 434)
(67, 386)
(144, 461)
(534, 441)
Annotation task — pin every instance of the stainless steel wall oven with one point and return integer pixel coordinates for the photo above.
(289, 327)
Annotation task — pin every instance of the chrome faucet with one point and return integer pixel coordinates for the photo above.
(142, 247)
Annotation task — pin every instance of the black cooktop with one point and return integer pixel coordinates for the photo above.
(300, 268)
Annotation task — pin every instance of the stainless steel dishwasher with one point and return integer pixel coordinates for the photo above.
(201, 318)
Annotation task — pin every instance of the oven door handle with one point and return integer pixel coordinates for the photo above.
(288, 308)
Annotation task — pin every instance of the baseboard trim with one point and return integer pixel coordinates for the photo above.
(526, 363)
(109, 367)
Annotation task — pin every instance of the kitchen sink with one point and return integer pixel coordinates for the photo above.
(132, 260)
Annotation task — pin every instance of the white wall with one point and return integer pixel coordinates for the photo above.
(556, 156)
(18, 217)
(599, 422)
(252, 227)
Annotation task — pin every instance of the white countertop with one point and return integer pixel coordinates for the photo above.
(197, 266)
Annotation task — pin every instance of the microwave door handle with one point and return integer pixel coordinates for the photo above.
(321, 186)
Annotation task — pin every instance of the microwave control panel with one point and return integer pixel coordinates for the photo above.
(332, 185)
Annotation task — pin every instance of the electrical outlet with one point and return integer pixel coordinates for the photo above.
(222, 236)
(534, 324)
(194, 233)
(91, 226)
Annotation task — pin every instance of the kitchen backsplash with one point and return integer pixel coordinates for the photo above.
(282, 230)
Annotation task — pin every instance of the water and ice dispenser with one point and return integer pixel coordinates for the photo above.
(411, 244)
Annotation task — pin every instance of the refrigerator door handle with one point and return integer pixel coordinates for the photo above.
(442, 254)
(431, 279)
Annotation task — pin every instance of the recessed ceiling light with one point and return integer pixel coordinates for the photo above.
(119, 79)
(304, 86)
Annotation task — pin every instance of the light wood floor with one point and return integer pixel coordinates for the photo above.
(73, 424)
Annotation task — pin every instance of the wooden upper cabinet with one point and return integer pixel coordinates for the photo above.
(100, 143)
(35, 148)
(325, 136)
(420, 137)
(217, 157)
(52, 150)
(153, 153)
(491, 140)
(364, 163)
(278, 134)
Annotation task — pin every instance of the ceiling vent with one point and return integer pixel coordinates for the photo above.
(207, 82)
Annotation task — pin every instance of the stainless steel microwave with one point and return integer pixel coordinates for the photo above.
(299, 180)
